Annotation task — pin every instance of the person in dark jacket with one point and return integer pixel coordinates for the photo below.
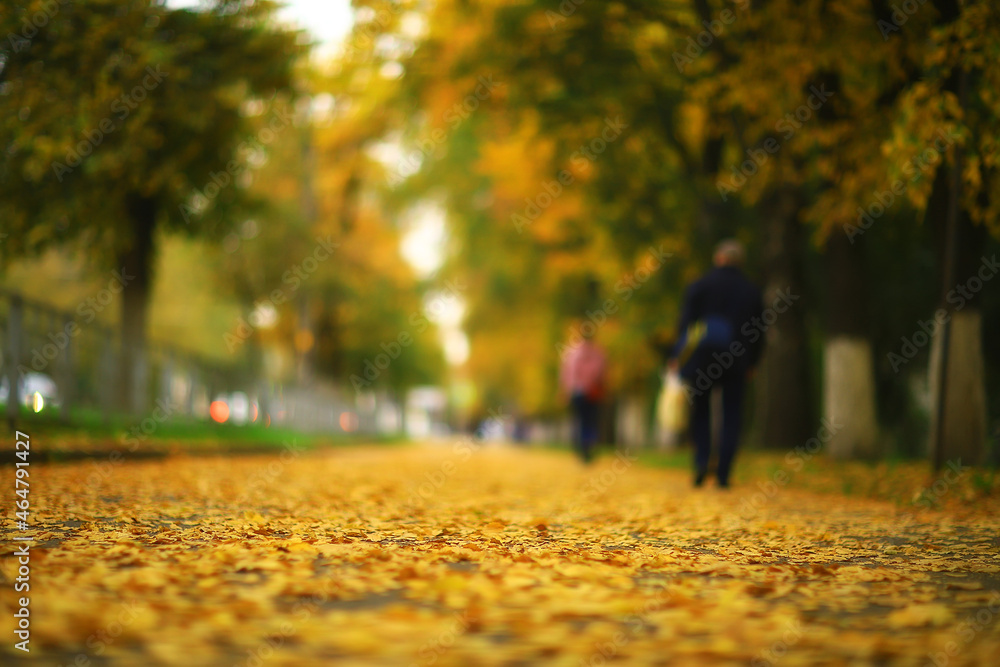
(718, 346)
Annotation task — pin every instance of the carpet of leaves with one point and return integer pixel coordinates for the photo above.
(447, 556)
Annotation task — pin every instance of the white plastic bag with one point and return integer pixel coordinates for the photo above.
(672, 404)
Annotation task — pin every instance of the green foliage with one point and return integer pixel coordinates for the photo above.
(110, 101)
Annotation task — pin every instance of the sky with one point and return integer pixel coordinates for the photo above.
(328, 20)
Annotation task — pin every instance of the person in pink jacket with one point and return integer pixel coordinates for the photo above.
(582, 380)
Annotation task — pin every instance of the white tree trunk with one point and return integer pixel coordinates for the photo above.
(965, 395)
(849, 397)
(631, 422)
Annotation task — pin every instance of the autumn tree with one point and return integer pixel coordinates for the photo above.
(120, 121)
(782, 123)
(554, 182)
(952, 112)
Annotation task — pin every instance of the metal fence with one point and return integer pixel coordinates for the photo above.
(75, 365)
(58, 363)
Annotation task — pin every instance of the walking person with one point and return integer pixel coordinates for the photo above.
(582, 380)
(714, 352)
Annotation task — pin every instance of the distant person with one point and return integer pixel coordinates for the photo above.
(582, 379)
(713, 351)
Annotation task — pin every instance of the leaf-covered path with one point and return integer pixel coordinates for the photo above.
(448, 556)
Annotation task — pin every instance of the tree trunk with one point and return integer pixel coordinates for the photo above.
(962, 432)
(631, 422)
(958, 413)
(13, 346)
(135, 264)
(784, 417)
(848, 368)
(964, 428)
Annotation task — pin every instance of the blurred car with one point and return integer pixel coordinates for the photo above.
(235, 408)
(32, 383)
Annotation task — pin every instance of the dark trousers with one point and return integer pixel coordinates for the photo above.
(732, 418)
(585, 414)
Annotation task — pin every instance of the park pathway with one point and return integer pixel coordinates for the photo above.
(456, 554)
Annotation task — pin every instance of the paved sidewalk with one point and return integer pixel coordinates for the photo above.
(446, 555)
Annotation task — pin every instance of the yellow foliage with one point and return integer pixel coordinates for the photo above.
(509, 555)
